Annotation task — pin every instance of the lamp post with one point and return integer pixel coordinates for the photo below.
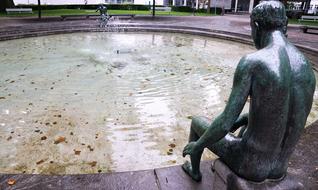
(39, 8)
(153, 8)
(223, 9)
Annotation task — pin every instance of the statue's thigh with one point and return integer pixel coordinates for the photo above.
(200, 124)
(228, 148)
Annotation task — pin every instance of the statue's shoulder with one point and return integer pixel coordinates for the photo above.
(253, 63)
(261, 57)
(253, 59)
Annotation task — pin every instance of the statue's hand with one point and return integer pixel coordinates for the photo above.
(191, 149)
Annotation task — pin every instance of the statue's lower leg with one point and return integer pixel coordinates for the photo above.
(193, 168)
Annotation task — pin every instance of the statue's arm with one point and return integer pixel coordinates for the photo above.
(225, 121)
(241, 121)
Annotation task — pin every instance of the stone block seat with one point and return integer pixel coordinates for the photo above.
(225, 179)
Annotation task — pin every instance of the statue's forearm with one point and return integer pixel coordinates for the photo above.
(221, 126)
(241, 121)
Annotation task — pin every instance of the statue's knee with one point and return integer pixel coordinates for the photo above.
(198, 121)
(195, 120)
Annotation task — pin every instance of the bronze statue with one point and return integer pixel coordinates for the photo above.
(102, 9)
(280, 83)
(104, 16)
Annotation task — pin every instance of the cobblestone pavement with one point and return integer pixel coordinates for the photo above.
(229, 23)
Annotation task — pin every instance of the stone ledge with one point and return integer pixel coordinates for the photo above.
(224, 178)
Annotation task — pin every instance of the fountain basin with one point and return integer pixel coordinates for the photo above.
(102, 102)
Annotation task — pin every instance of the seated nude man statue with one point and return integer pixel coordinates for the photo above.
(280, 83)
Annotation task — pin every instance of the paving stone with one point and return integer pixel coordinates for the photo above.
(113, 181)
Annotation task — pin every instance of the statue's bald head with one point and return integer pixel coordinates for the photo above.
(269, 15)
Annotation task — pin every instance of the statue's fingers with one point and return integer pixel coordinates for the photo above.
(185, 152)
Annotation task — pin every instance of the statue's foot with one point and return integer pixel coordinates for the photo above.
(187, 168)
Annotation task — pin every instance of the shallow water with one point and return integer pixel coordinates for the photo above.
(101, 102)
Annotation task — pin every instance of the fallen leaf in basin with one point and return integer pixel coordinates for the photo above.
(59, 140)
(93, 164)
(90, 148)
(77, 152)
(39, 162)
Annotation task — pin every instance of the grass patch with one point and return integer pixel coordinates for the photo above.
(59, 12)
(307, 23)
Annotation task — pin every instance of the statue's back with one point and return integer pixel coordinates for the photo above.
(281, 99)
(301, 96)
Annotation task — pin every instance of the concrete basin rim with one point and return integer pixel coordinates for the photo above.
(220, 34)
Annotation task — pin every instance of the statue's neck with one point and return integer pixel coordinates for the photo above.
(271, 38)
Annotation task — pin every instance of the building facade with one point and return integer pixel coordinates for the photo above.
(311, 8)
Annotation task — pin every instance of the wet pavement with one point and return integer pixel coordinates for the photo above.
(229, 23)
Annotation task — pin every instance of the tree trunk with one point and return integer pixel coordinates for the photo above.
(209, 7)
(39, 8)
(307, 6)
(6, 4)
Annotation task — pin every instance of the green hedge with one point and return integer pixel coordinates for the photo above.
(189, 9)
(181, 9)
(110, 6)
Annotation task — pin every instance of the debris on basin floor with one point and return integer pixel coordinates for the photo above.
(77, 152)
(40, 162)
(59, 140)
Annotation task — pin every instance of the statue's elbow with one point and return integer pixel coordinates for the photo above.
(226, 129)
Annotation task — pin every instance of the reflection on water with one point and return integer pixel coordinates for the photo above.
(101, 102)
